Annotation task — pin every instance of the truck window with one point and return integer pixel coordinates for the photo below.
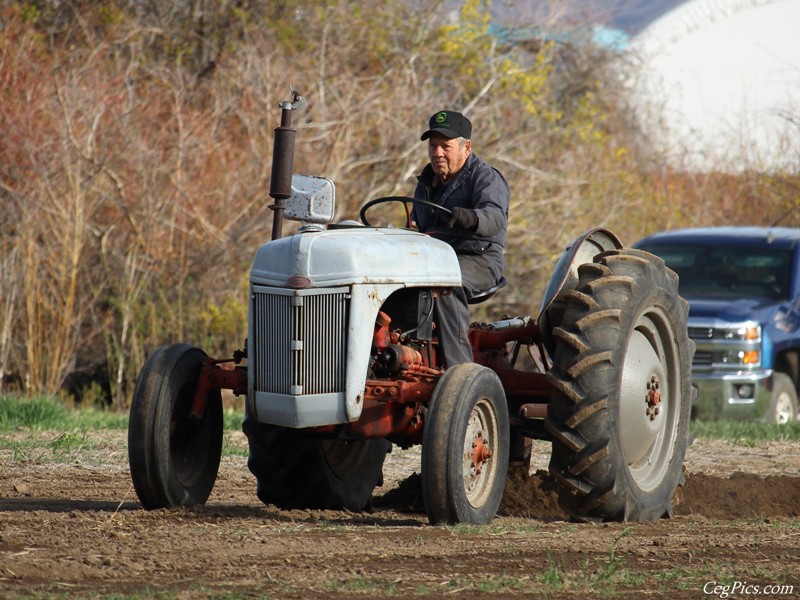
(722, 271)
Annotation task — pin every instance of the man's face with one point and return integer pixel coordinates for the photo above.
(447, 155)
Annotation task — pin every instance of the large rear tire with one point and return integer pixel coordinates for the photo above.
(174, 457)
(622, 395)
(465, 447)
(295, 469)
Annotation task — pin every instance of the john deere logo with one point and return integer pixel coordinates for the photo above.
(441, 117)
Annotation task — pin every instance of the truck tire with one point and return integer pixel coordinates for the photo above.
(783, 404)
(465, 447)
(173, 457)
(295, 469)
(622, 346)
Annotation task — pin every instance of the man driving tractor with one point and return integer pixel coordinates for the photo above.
(478, 196)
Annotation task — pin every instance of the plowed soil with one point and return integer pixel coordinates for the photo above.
(73, 527)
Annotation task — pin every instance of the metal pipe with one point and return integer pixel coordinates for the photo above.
(283, 161)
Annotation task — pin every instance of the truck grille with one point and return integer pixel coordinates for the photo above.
(729, 346)
(701, 333)
(702, 359)
(299, 340)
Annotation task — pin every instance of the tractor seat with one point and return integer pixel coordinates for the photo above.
(482, 295)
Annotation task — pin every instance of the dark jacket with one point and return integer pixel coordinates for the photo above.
(478, 186)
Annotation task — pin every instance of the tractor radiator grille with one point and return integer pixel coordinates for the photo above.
(299, 340)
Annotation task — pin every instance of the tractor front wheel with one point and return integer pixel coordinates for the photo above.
(465, 447)
(174, 456)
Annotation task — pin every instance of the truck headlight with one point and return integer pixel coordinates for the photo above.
(742, 357)
(752, 333)
(751, 357)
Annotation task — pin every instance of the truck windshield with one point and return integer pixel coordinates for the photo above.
(736, 271)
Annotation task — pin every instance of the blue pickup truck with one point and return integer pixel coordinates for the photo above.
(743, 289)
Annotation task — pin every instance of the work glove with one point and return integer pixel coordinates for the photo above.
(463, 218)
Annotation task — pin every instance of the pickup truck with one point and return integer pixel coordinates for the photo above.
(743, 289)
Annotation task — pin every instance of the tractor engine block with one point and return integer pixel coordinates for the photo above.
(395, 358)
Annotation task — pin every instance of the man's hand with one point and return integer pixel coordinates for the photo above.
(463, 218)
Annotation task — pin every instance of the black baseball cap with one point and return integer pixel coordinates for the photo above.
(450, 124)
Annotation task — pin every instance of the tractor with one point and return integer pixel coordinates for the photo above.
(342, 362)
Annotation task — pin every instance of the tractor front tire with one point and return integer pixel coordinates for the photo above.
(295, 469)
(173, 457)
(622, 395)
(465, 447)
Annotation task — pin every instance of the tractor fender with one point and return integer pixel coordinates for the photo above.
(565, 274)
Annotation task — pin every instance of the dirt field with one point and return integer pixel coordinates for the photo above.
(75, 529)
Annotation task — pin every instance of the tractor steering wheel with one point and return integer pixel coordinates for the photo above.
(404, 199)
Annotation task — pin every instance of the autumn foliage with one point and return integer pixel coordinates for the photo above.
(135, 155)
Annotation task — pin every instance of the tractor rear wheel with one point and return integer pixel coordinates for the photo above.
(465, 447)
(295, 469)
(174, 457)
(621, 400)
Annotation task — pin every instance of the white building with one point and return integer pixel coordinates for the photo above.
(720, 84)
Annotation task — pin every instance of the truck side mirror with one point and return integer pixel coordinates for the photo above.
(312, 201)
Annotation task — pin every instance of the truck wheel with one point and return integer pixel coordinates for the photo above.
(294, 469)
(621, 399)
(783, 405)
(465, 447)
(174, 458)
